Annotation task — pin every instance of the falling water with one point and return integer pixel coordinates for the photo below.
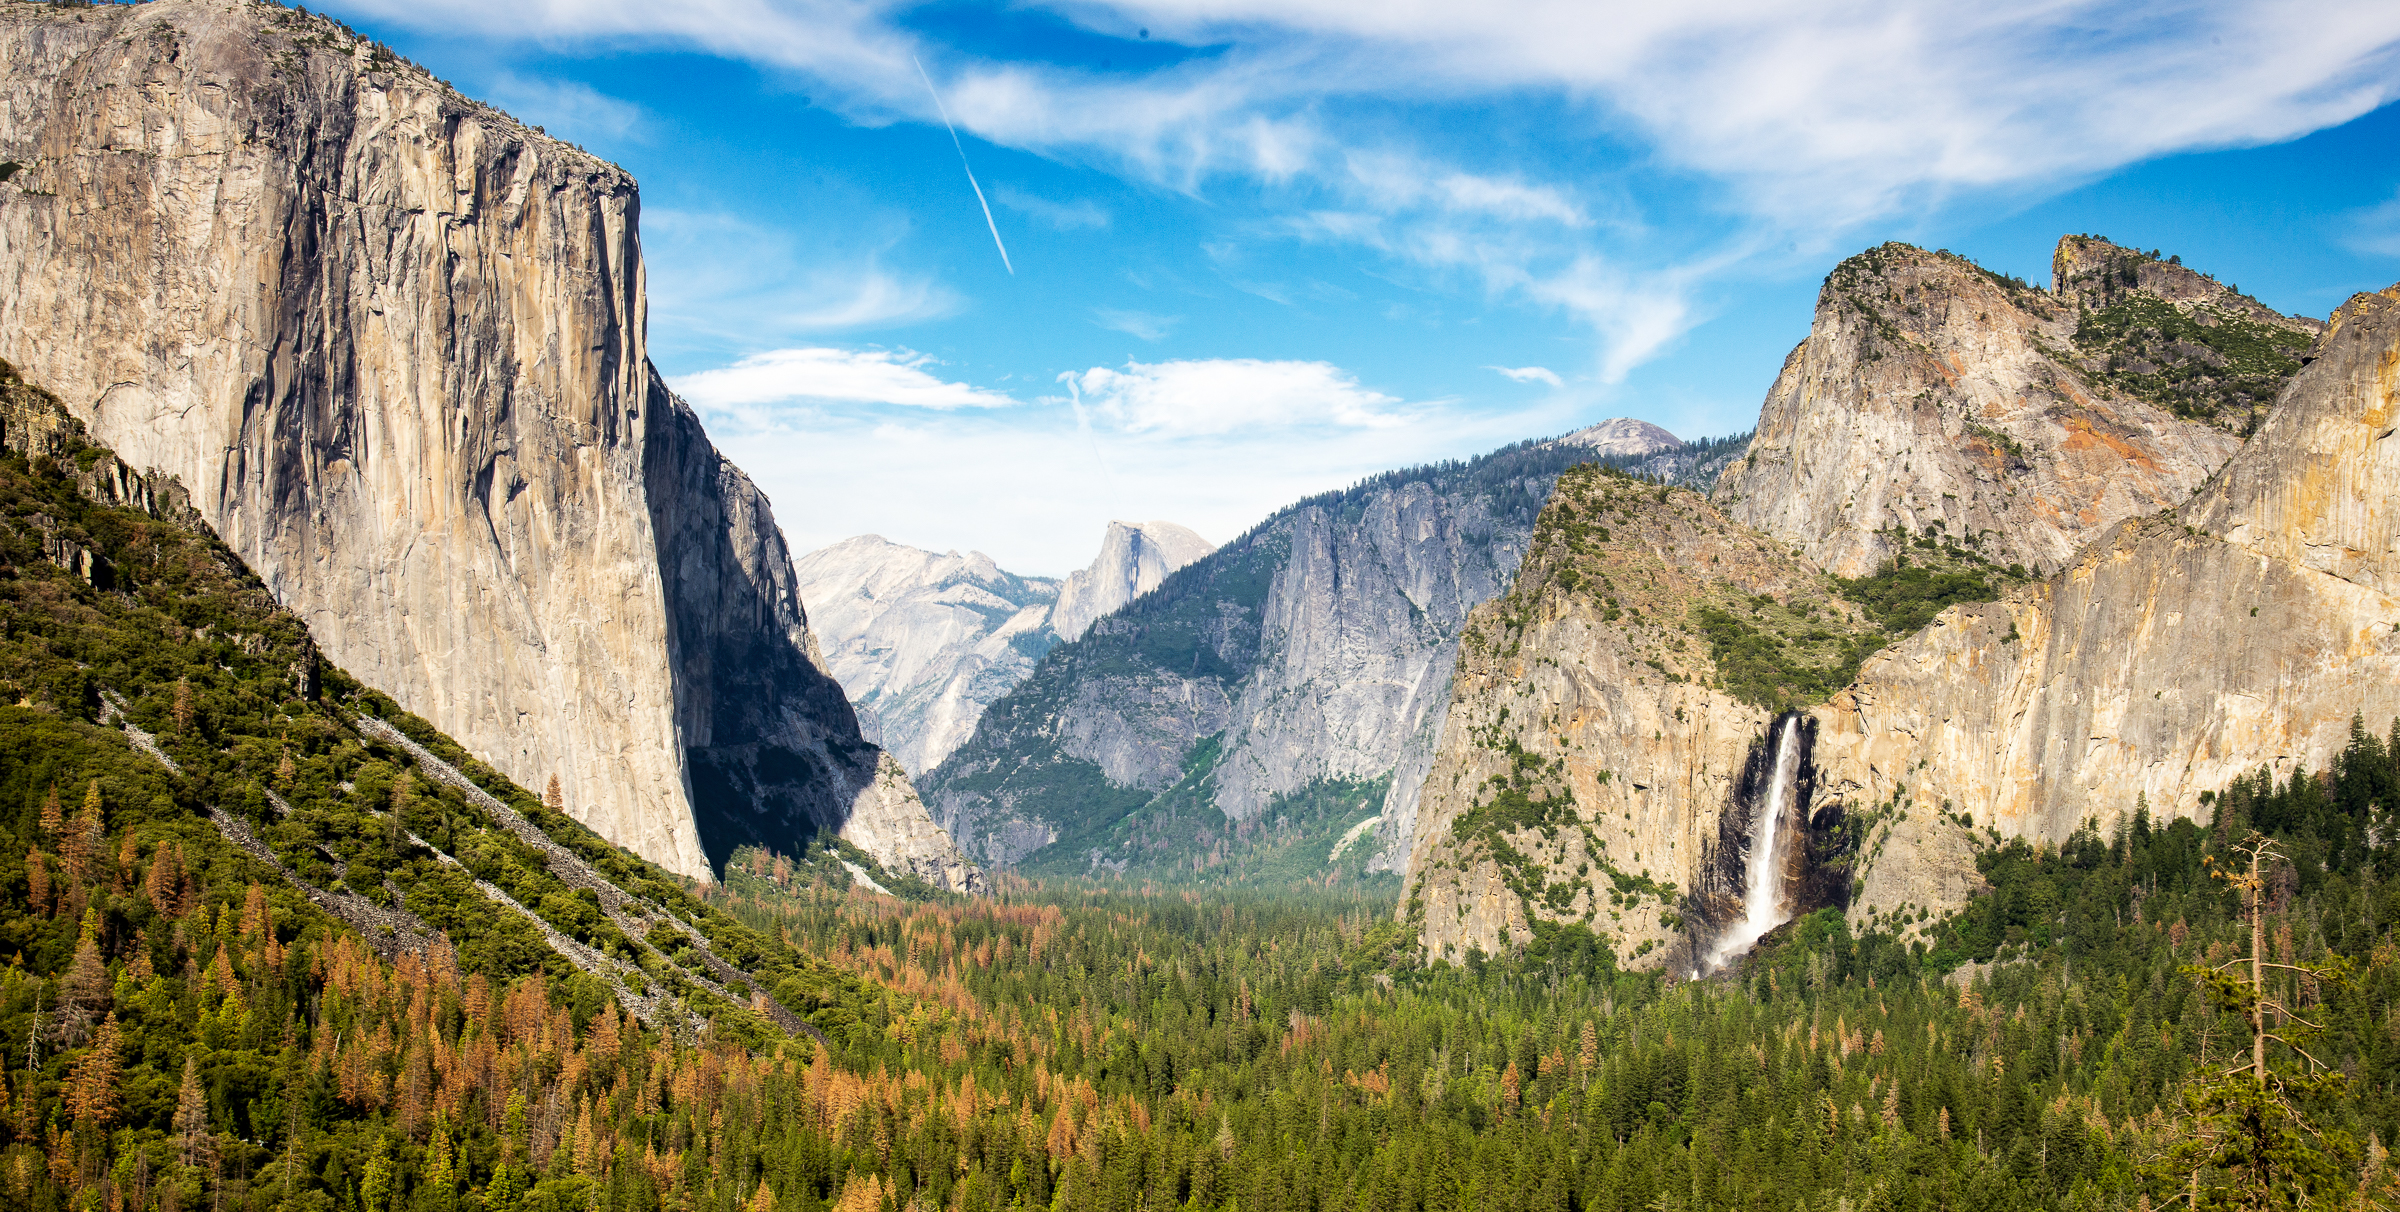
(1762, 872)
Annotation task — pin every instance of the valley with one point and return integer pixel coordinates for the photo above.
(430, 780)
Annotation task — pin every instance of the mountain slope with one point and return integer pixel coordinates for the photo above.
(393, 339)
(1298, 674)
(921, 642)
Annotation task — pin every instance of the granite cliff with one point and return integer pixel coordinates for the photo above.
(924, 642)
(1614, 717)
(392, 342)
(1135, 558)
(2243, 629)
(1933, 396)
(1289, 684)
(1604, 720)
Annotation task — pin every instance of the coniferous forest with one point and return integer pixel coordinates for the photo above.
(272, 943)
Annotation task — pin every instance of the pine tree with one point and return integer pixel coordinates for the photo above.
(92, 1085)
(2244, 1142)
(183, 704)
(53, 816)
(191, 1114)
(375, 1186)
(554, 799)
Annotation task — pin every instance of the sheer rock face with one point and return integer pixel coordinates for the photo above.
(1931, 395)
(393, 342)
(2175, 653)
(1134, 558)
(1585, 687)
(1319, 646)
(923, 642)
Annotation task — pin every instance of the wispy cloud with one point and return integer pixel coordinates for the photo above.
(1134, 323)
(2375, 230)
(1783, 124)
(1081, 214)
(569, 109)
(1226, 395)
(846, 376)
(1529, 374)
(719, 282)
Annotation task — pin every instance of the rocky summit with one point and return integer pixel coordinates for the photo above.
(1281, 696)
(392, 341)
(1933, 396)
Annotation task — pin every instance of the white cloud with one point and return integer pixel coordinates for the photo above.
(850, 376)
(1785, 124)
(1227, 395)
(1033, 488)
(719, 282)
(1134, 323)
(1529, 374)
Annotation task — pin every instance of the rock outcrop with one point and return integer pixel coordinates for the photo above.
(923, 642)
(1933, 396)
(393, 343)
(1135, 558)
(1623, 436)
(2190, 636)
(2242, 630)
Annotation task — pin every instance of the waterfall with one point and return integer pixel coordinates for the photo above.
(1762, 869)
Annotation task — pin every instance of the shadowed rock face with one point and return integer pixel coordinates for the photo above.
(1932, 396)
(393, 342)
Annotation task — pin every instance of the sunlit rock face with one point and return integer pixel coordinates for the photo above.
(392, 341)
(1134, 558)
(1933, 396)
(2241, 630)
(2211, 606)
(923, 642)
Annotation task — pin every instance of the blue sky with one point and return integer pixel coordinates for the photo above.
(1260, 250)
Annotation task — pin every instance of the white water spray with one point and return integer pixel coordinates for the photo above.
(1762, 874)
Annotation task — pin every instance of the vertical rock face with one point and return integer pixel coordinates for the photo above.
(392, 341)
(1934, 396)
(2177, 648)
(1135, 557)
(923, 642)
(1316, 648)
(2243, 630)
(1600, 758)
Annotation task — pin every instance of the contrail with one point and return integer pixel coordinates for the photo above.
(962, 163)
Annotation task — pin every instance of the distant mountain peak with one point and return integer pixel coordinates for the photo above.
(1134, 558)
(1623, 436)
